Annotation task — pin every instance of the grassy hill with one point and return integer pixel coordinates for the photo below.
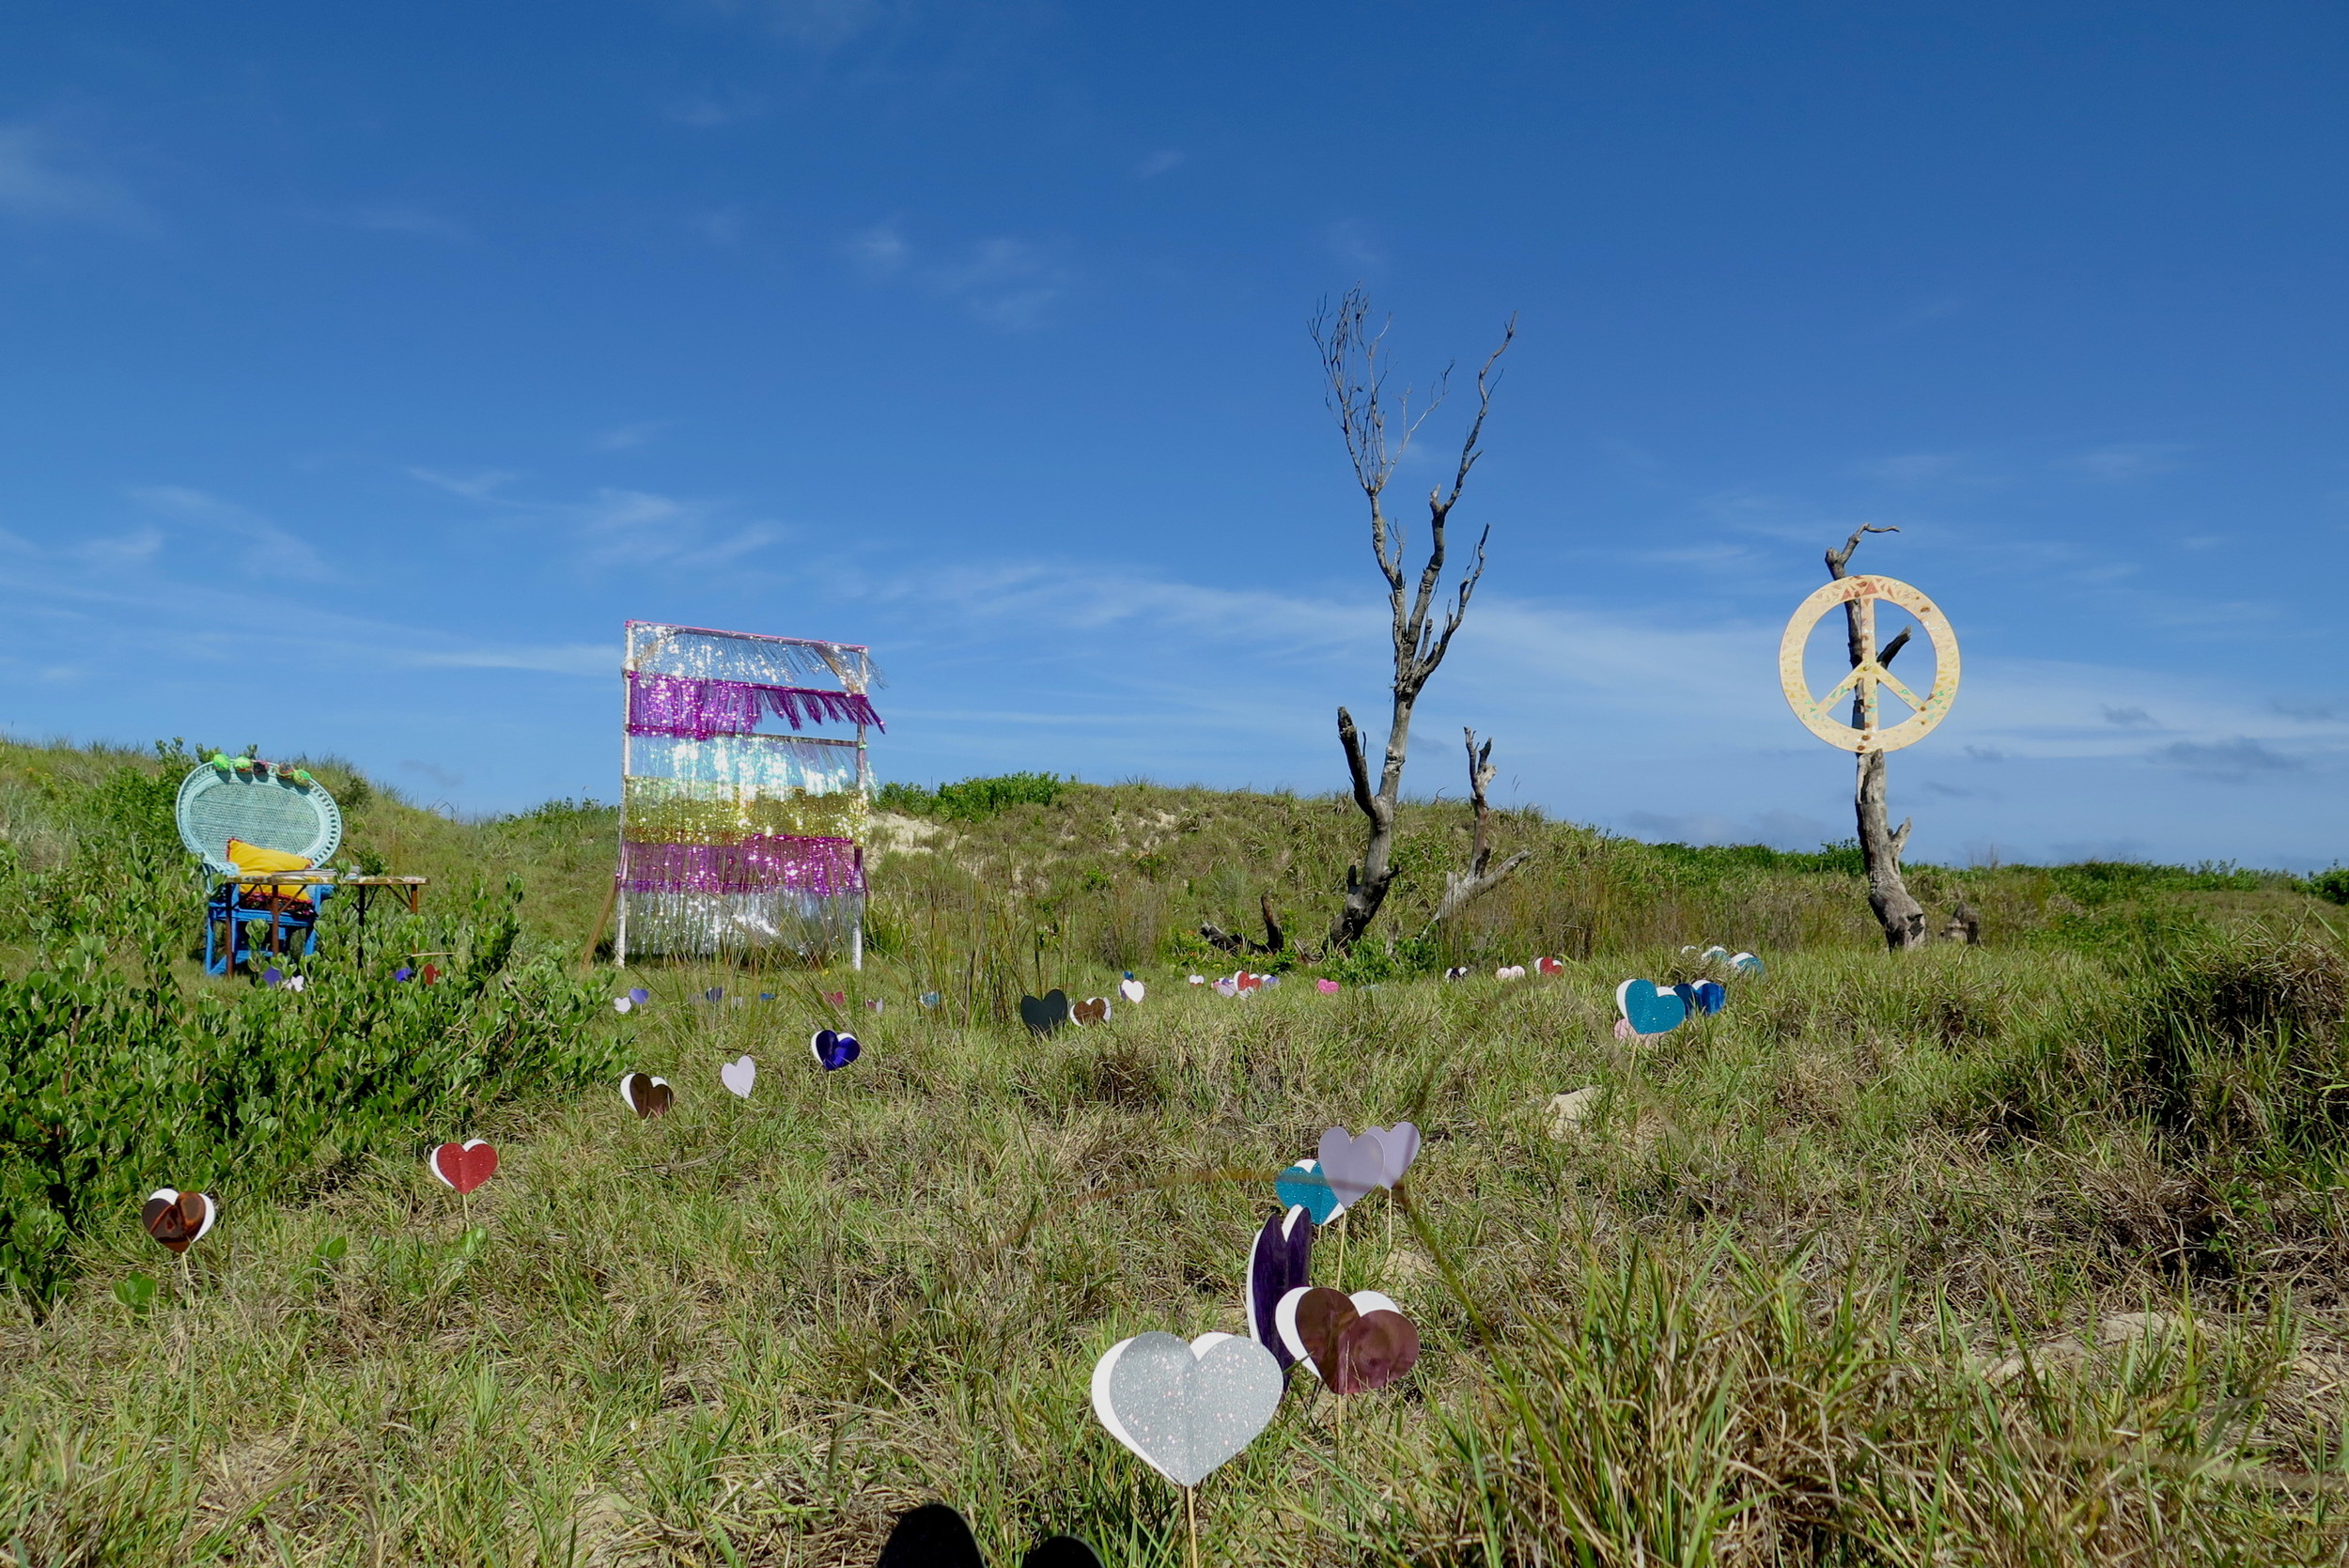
(2022, 1254)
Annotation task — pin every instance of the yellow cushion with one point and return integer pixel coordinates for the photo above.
(251, 857)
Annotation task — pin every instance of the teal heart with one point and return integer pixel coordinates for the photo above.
(1649, 1010)
(1303, 1186)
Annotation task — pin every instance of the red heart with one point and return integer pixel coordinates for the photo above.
(465, 1166)
(431, 975)
(1548, 966)
(1247, 982)
(177, 1219)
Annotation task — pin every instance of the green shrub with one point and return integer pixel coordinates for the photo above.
(973, 799)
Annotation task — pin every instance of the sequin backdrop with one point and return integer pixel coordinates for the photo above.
(732, 839)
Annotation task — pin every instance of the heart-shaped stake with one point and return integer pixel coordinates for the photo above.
(834, 1051)
(1090, 1010)
(1045, 1014)
(1185, 1408)
(1356, 1165)
(178, 1219)
(935, 1536)
(1647, 1010)
(739, 1075)
(464, 1166)
(1458, 971)
(1510, 971)
(1747, 965)
(1548, 966)
(1353, 1344)
(645, 1095)
(1280, 1262)
(1303, 1186)
(1131, 988)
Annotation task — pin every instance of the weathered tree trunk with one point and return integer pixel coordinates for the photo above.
(1880, 845)
(1356, 376)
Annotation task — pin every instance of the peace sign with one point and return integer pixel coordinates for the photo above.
(1862, 593)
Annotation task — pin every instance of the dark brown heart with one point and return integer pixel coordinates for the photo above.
(176, 1221)
(1090, 1010)
(1354, 1351)
(650, 1098)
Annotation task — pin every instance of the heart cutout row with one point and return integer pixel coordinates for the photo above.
(464, 1166)
(645, 1095)
(1353, 1344)
(178, 1219)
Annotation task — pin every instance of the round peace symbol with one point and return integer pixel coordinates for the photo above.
(1861, 593)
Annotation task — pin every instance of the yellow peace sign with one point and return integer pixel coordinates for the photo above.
(1861, 593)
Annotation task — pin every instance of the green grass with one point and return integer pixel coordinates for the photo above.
(1857, 1271)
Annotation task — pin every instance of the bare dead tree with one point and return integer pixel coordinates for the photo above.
(1461, 889)
(1275, 939)
(1356, 374)
(1880, 845)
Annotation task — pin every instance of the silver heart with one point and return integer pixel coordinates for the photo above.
(1185, 1408)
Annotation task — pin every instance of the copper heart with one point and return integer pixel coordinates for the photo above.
(645, 1095)
(1353, 1350)
(177, 1219)
(1090, 1010)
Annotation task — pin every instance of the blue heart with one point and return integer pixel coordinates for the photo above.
(1711, 996)
(833, 1050)
(1303, 1186)
(1649, 1010)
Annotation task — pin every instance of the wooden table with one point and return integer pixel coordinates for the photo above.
(412, 886)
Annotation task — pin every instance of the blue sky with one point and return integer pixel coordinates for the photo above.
(359, 374)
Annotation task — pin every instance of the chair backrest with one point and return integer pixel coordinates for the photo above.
(271, 809)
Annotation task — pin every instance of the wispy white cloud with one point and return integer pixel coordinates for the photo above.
(484, 485)
(1158, 164)
(708, 110)
(1350, 244)
(268, 552)
(405, 217)
(1005, 283)
(628, 438)
(617, 527)
(1914, 468)
(45, 179)
(2126, 462)
(2234, 761)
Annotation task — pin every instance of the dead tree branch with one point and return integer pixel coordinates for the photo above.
(1460, 889)
(1354, 374)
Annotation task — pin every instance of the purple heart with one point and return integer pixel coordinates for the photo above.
(638, 995)
(834, 1051)
(403, 972)
(1280, 1262)
(272, 976)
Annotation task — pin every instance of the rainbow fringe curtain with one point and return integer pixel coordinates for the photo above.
(730, 838)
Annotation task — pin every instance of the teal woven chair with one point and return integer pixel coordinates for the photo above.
(273, 808)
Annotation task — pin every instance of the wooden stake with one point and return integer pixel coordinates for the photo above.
(611, 898)
(1191, 1507)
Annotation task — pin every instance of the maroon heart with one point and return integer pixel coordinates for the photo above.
(177, 1219)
